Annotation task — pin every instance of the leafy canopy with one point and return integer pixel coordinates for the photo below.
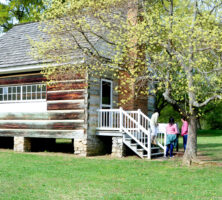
(19, 11)
(176, 45)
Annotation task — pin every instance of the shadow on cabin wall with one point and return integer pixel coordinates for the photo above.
(107, 145)
(6, 142)
(52, 145)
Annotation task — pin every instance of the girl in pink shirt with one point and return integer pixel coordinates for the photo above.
(171, 130)
(184, 132)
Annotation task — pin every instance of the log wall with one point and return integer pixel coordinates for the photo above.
(65, 115)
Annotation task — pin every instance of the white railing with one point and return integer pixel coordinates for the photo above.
(134, 123)
(140, 117)
(137, 132)
(161, 136)
(109, 119)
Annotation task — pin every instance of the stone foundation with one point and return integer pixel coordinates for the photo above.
(80, 147)
(22, 144)
(118, 148)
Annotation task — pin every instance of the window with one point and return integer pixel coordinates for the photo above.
(22, 93)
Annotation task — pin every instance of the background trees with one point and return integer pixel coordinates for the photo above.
(185, 55)
(174, 44)
(19, 11)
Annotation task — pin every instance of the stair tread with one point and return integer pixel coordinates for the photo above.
(155, 147)
(159, 153)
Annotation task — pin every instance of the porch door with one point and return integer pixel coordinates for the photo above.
(106, 98)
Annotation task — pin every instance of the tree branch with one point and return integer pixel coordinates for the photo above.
(216, 6)
(162, 1)
(198, 105)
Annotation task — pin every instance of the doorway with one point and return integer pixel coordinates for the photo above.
(106, 99)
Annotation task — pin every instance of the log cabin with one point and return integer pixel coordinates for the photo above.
(89, 114)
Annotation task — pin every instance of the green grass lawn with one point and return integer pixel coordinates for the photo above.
(210, 144)
(52, 176)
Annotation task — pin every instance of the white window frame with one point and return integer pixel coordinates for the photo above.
(21, 93)
(106, 106)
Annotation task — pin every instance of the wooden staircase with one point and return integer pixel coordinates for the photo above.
(133, 126)
(141, 152)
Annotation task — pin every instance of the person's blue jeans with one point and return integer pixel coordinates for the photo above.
(169, 147)
(185, 142)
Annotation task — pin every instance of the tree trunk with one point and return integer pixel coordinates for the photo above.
(191, 151)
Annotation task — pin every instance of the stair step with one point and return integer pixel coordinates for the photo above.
(129, 139)
(140, 150)
(152, 148)
(155, 154)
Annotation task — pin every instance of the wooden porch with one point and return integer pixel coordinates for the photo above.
(134, 128)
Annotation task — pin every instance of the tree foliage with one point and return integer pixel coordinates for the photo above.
(19, 11)
(213, 116)
(174, 44)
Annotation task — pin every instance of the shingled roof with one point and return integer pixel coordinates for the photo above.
(15, 45)
(15, 48)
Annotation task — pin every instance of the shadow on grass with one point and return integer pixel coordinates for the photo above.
(209, 145)
(209, 133)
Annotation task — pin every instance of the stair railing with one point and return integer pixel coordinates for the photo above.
(144, 121)
(136, 131)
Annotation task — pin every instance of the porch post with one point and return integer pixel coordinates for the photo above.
(120, 118)
(149, 144)
(22, 144)
(118, 148)
(80, 147)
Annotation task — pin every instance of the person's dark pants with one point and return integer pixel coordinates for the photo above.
(169, 147)
(185, 142)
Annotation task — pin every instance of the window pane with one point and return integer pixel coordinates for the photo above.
(33, 88)
(5, 90)
(24, 89)
(24, 96)
(106, 89)
(1, 90)
(9, 97)
(1, 98)
(18, 96)
(43, 88)
(9, 90)
(14, 97)
(38, 95)
(18, 89)
(29, 97)
(29, 88)
(39, 88)
(14, 89)
(5, 97)
(33, 95)
(43, 95)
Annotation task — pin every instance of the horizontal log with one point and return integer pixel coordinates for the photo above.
(66, 95)
(51, 125)
(66, 106)
(66, 86)
(42, 133)
(68, 75)
(41, 116)
(22, 79)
